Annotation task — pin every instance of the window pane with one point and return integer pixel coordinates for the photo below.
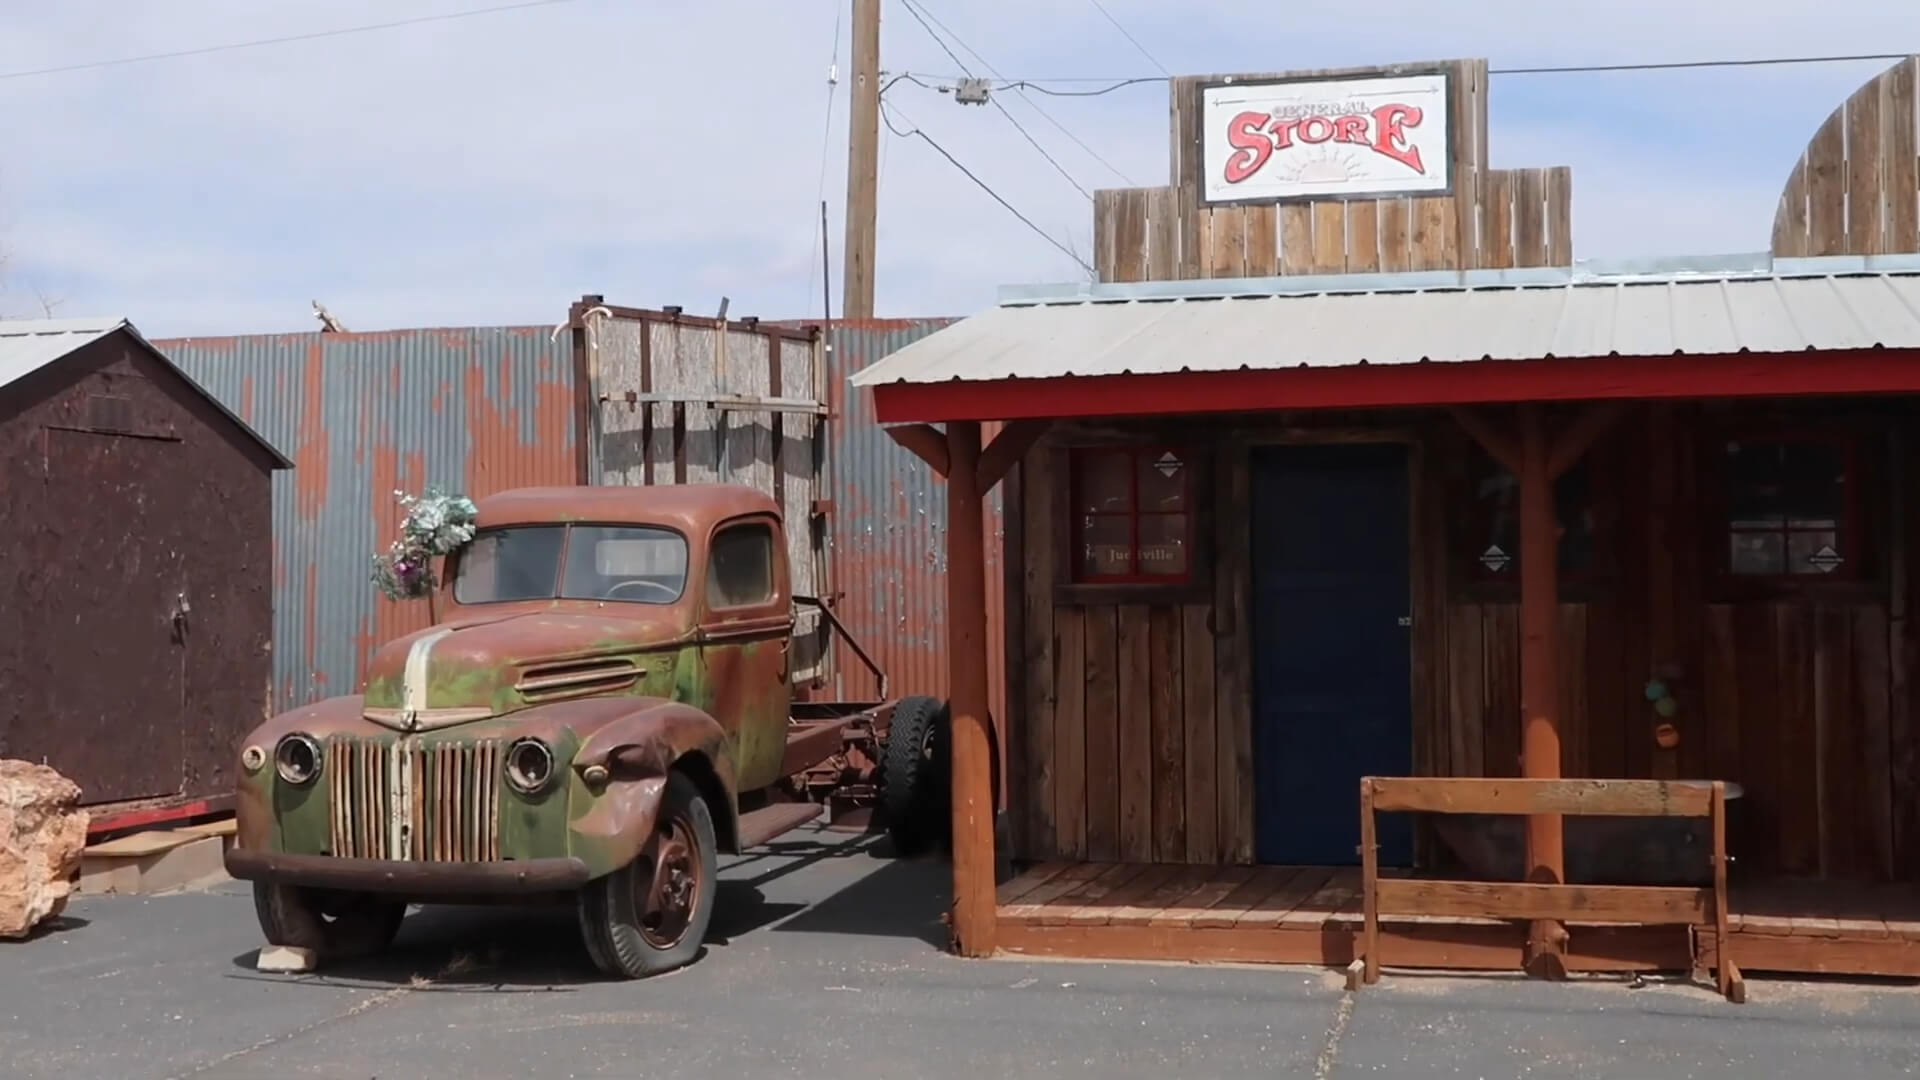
(641, 565)
(1496, 548)
(1101, 482)
(498, 565)
(1773, 483)
(742, 567)
(1164, 475)
(1106, 547)
(1816, 552)
(1759, 553)
(1163, 545)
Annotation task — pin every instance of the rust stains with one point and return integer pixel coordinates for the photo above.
(310, 460)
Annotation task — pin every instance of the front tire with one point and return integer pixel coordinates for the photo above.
(651, 915)
(332, 923)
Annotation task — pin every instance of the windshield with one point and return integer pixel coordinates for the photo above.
(601, 562)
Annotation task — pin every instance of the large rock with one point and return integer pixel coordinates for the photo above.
(42, 833)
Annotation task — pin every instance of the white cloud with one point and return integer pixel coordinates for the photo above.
(490, 170)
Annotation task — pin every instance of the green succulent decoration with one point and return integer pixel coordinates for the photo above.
(434, 524)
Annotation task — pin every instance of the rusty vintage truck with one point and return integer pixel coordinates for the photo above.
(602, 706)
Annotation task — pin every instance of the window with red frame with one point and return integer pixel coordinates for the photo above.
(1132, 515)
(1789, 507)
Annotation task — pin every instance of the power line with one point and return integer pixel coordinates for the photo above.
(886, 113)
(285, 40)
(1773, 61)
(913, 9)
(1032, 104)
(826, 139)
(1113, 83)
(1102, 9)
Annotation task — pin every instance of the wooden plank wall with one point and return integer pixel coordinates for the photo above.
(1496, 218)
(1134, 728)
(1856, 190)
(1134, 732)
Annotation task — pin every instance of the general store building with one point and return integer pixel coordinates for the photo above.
(1346, 468)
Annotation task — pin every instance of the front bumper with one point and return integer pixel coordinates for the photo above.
(507, 877)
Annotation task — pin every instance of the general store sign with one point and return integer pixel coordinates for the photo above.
(1325, 138)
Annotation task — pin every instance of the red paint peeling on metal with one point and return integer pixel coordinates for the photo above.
(246, 399)
(310, 474)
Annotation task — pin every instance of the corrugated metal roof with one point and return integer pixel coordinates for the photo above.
(27, 345)
(1090, 335)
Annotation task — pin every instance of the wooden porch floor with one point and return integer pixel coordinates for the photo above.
(1312, 915)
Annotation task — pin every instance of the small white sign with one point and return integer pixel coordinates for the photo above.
(1325, 138)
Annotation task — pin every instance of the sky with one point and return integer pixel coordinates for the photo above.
(490, 170)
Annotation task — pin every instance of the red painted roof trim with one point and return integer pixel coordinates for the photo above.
(1797, 374)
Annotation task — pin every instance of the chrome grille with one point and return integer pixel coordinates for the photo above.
(432, 803)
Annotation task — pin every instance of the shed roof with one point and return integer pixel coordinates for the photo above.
(1202, 327)
(28, 345)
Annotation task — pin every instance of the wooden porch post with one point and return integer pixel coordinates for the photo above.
(973, 880)
(1539, 675)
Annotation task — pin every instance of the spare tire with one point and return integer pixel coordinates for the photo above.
(914, 787)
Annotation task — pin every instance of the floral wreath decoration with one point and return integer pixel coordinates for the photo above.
(434, 524)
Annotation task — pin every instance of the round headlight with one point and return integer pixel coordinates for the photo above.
(297, 758)
(529, 766)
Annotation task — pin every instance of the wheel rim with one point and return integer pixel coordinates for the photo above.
(672, 894)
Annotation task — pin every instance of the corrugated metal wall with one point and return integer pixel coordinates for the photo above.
(480, 410)
(472, 410)
(889, 532)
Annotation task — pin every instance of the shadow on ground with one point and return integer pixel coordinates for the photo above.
(902, 899)
(538, 949)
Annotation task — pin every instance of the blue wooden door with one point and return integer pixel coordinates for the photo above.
(1332, 648)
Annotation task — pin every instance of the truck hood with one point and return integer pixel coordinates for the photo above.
(490, 665)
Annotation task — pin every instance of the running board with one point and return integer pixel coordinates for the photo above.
(759, 826)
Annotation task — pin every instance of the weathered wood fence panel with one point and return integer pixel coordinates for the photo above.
(1856, 189)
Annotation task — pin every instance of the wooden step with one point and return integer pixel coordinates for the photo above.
(759, 826)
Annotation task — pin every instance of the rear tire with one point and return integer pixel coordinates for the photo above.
(332, 923)
(651, 915)
(916, 793)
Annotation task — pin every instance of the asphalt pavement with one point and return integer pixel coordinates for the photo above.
(825, 962)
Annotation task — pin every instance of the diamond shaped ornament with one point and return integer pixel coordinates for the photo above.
(1826, 560)
(1167, 464)
(1495, 559)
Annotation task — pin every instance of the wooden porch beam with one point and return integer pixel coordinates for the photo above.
(1573, 443)
(1540, 676)
(971, 768)
(1496, 443)
(924, 441)
(1007, 449)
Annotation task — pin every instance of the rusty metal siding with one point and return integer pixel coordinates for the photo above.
(888, 532)
(475, 410)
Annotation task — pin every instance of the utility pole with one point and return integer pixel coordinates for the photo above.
(863, 162)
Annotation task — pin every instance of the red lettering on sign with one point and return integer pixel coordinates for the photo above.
(1251, 147)
(1390, 137)
(1257, 136)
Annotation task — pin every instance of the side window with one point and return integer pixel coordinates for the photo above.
(741, 573)
(1493, 516)
(1789, 508)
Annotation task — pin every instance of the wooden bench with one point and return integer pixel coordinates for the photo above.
(1650, 905)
